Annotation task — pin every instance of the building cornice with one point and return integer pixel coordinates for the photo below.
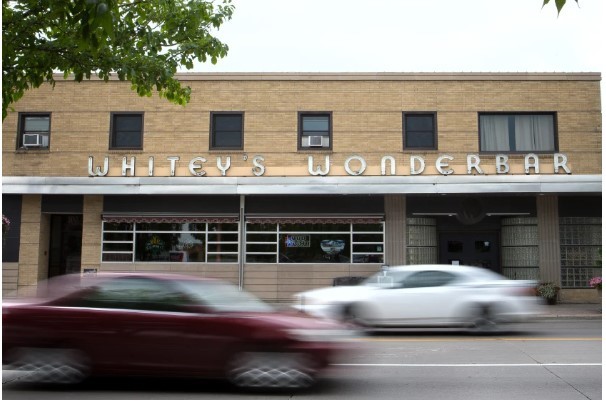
(377, 76)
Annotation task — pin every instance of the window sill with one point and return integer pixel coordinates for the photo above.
(32, 150)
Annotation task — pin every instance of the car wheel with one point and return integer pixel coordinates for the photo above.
(50, 365)
(484, 319)
(356, 314)
(270, 370)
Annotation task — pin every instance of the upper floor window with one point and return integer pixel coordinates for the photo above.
(315, 130)
(419, 130)
(34, 130)
(227, 130)
(126, 131)
(523, 132)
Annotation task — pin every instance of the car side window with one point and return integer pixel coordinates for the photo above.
(428, 279)
(134, 293)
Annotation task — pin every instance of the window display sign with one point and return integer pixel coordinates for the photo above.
(298, 241)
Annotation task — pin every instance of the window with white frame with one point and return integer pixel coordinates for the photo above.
(170, 242)
(315, 243)
(520, 132)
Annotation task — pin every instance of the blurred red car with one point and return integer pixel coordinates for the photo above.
(163, 325)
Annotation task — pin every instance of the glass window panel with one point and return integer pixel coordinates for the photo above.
(117, 236)
(423, 122)
(37, 123)
(262, 227)
(321, 248)
(419, 139)
(315, 124)
(222, 247)
(218, 237)
(270, 237)
(127, 140)
(127, 123)
(455, 246)
(261, 247)
(368, 258)
(117, 257)
(222, 258)
(157, 247)
(161, 227)
(368, 238)
(228, 122)
(118, 247)
(368, 227)
(368, 247)
(118, 226)
(261, 258)
(228, 139)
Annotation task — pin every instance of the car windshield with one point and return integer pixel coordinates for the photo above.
(223, 296)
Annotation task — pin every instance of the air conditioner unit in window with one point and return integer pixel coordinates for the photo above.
(315, 141)
(32, 140)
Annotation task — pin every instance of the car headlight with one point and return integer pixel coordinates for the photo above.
(322, 335)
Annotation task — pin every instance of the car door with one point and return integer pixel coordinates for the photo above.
(421, 298)
(152, 328)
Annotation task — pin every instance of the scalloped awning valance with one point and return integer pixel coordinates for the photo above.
(164, 218)
(316, 219)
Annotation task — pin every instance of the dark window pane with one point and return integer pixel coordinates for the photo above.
(419, 123)
(419, 131)
(315, 124)
(127, 131)
(227, 131)
(319, 248)
(419, 139)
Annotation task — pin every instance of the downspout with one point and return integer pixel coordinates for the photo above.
(241, 244)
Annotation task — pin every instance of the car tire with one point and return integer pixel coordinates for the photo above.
(483, 319)
(270, 370)
(356, 315)
(50, 365)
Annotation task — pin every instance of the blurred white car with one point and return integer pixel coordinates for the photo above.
(427, 296)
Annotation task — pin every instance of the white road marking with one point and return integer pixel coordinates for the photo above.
(469, 365)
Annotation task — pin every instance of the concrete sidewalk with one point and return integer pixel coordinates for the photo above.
(572, 311)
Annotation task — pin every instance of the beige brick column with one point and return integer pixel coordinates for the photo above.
(91, 232)
(34, 244)
(395, 230)
(549, 238)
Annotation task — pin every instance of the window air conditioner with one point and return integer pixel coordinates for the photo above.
(32, 140)
(315, 141)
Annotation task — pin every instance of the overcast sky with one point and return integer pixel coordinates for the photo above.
(412, 36)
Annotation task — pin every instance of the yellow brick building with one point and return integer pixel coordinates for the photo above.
(284, 182)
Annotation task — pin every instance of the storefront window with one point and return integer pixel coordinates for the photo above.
(314, 243)
(170, 242)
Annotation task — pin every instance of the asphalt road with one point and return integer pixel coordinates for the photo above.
(554, 359)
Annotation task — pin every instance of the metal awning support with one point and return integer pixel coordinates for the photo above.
(464, 184)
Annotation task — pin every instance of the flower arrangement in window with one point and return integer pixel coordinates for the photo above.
(596, 282)
(6, 224)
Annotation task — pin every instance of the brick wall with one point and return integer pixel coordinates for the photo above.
(367, 120)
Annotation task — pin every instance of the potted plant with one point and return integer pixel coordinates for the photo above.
(596, 282)
(549, 291)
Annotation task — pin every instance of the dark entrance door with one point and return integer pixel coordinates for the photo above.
(65, 244)
(472, 249)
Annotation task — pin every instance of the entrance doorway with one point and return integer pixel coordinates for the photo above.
(65, 244)
(472, 249)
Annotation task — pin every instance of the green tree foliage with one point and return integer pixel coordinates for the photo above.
(559, 4)
(141, 41)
